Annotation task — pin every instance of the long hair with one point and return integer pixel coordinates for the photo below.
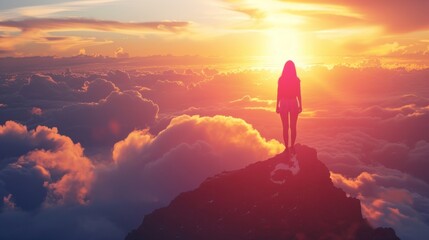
(289, 83)
(289, 73)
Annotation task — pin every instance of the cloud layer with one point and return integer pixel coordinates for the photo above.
(367, 124)
(43, 32)
(55, 24)
(66, 187)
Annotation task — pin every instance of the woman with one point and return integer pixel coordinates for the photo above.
(289, 103)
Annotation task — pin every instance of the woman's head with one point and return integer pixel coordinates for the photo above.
(289, 71)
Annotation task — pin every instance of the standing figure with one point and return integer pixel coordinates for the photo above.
(289, 103)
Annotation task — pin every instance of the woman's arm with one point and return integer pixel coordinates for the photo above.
(278, 97)
(299, 97)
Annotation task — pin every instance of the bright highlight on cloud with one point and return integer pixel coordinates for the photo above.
(201, 146)
(386, 200)
(41, 166)
(66, 186)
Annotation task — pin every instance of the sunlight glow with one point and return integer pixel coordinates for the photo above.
(284, 45)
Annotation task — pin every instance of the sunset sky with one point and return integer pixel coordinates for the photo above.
(106, 106)
(310, 31)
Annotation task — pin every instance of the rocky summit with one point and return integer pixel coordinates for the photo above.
(284, 197)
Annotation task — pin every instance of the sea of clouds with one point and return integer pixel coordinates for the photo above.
(87, 153)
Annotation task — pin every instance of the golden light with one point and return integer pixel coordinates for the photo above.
(283, 45)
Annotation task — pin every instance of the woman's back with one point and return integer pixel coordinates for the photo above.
(289, 88)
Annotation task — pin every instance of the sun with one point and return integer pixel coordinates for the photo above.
(283, 45)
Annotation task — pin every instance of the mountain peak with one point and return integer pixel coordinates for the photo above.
(284, 197)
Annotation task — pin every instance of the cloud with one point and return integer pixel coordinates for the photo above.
(36, 111)
(416, 160)
(242, 7)
(143, 175)
(327, 20)
(50, 9)
(84, 89)
(23, 187)
(248, 102)
(98, 89)
(71, 24)
(201, 146)
(38, 31)
(11, 83)
(59, 222)
(41, 166)
(186, 77)
(119, 53)
(183, 86)
(230, 86)
(44, 87)
(305, 16)
(386, 203)
(309, 17)
(355, 151)
(82, 51)
(396, 16)
(121, 79)
(171, 89)
(394, 110)
(106, 121)
(382, 28)
(381, 173)
(43, 44)
(365, 122)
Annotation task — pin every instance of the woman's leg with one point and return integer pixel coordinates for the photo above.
(293, 120)
(285, 123)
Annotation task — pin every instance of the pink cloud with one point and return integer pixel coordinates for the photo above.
(201, 146)
(67, 172)
(389, 203)
(36, 111)
(37, 30)
(395, 16)
(56, 24)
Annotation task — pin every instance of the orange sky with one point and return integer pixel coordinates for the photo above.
(90, 136)
(309, 31)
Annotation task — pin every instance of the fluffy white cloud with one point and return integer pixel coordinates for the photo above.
(189, 150)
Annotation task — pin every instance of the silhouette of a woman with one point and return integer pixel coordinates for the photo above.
(289, 103)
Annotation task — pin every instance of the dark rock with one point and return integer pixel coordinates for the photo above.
(281, 198)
